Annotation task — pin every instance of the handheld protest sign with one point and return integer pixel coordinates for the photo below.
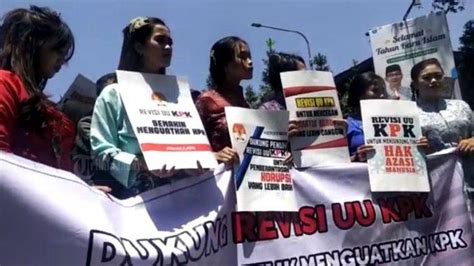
(311, 98)
(263, 181)
(392, 127)
(165, 121)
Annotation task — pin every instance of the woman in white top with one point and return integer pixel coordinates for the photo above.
(444, 122)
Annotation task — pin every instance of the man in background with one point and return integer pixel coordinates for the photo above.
(394, 77)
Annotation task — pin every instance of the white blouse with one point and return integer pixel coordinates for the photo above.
(446, 122)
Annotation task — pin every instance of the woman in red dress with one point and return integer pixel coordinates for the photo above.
(36, 44)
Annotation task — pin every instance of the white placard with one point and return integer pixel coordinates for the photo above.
(311, 97)
(165, 121)
(392, 127)
(263, 181)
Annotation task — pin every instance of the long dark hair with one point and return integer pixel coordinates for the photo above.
(281, 62)
(222, 53)
(359, 85)
(25, 32)
(137, 31)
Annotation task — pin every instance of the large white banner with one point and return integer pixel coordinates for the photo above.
(50, 217)
(397, 47)
(393, 128)
(311, 97)
(262, 179)
(165, 121)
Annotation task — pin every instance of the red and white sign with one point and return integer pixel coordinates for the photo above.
(165, 120)
(311, 97)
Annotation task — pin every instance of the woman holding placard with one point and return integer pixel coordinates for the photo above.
(364, 86)
(147, 47)
(230, 63)
(445, 122)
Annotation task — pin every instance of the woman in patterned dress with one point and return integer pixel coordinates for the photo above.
(444, 122)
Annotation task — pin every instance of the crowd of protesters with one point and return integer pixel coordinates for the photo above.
(37, 42)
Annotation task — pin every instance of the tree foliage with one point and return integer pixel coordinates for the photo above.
(251, 97)
(320, 62)
(343, 91)
(466, 67)
(447, 6)
(265, 90)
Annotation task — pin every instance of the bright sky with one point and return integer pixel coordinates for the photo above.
(335, 28)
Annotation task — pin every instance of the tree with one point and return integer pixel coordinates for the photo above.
(251, 97)
(270, 44)
(265, 90)
(466, 67)
(320, 62)
(448, 5)
(343, 92)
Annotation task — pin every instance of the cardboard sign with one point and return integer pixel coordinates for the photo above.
(311, 98)
(392, 127)
(263, 181)
(165, 121)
